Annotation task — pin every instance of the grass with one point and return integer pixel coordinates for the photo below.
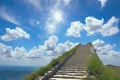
(53, 63)
(97, 71)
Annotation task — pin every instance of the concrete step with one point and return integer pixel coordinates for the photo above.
(72, 68)
(63, 79)
(71, 71)
(68, 66)
(69, 77)
(71, 74)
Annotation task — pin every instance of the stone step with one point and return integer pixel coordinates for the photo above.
(71, 71)
(72, 68)
(69, 77)
(68, 66)
(63, 79)
(71, 74)
(75, 67)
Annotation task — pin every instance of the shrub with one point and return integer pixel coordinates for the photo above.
(95, 66)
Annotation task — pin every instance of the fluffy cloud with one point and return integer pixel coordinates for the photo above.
(110, 28)
(75, 29)
(106, 52)
(94, 26)
(35, 52)
(19, 52)
(50, 44)
(46, 52)
(8, 16)
(8, 51)
(5, 50)
(12, 34)
(63, 47)
(102, 2)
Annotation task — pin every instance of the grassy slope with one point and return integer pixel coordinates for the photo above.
(97, 71)
(54, 62)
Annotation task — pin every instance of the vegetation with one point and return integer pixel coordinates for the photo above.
(53, 63)
(97, 71)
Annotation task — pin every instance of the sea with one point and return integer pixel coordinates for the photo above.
(15, 72)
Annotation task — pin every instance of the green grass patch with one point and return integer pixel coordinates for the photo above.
(54, 62)
(97, 71)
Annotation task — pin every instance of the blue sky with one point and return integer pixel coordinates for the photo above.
(32, 32)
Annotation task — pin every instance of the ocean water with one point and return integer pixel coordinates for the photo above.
(15, 73)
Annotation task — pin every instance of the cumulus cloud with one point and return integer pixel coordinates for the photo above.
(8, 51)
(12, 34)
(103, 3)
(111, 27)
(50, 44)
(63, 47)
(35, 52)
(19, 52)
(8, 16)
(94, 26)
(46, 52)
(5, 50)
(75, 29)
(106, 52)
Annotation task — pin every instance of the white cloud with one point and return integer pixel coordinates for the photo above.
(106, 52)
(50, 44)
(75, 28)
(19, 52)
(110, 28)
(8, 51)
(5, 50)
(8, 16)
(103, 3)
(50, 26)
(94, 26)
(12, 34)
(35, 52)
(63, 47)
(66, 2)
(37, 55)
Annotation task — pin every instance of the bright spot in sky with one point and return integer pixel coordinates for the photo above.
(58, 16)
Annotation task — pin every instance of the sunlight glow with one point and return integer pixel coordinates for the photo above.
(58, 16)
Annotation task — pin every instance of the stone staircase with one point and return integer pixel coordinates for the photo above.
(70, 73)
(75, 67)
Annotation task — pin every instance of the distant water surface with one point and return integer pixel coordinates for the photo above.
(15, 73)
